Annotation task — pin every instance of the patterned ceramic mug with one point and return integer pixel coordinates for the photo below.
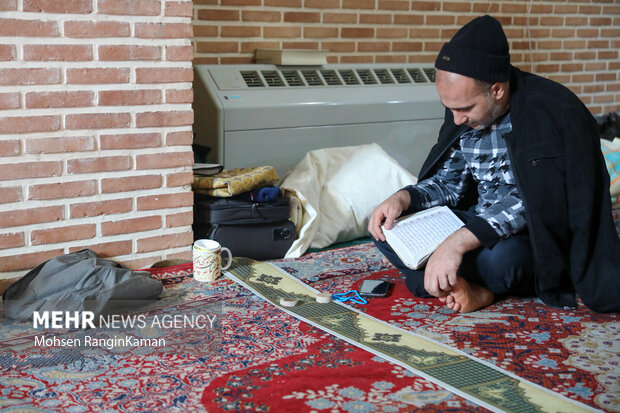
(208, 260)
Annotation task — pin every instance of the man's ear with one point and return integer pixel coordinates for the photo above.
(498, 90)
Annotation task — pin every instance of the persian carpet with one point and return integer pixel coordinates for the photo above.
(260, 358)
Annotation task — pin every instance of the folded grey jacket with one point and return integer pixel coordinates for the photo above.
(80, 281)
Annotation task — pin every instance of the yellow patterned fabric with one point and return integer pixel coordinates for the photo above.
(235, 181)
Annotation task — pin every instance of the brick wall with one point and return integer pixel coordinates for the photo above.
(95, 130)
(573, 42)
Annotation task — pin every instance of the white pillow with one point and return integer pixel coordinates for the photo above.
(334, 190)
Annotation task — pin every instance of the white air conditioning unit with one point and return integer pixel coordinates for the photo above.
(252, 115)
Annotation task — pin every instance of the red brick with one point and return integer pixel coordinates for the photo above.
(102, 164)
(8, 5)
(185, 255)
(179, 9)
(28, 260)
(57, 52)
(163, 201)
(97, 75)
(179, 53)
(392, 58)
(241, 2)
(164, 118)
(407, 46)
(97, 208)
(9, 148)
(75, 99)
(179, 220)
(249, 47)
(441, 20)
(97, 121)
(163, 30)
(164, 75)
(303, 17)
(10, 194)
(31, 216)
(354, 32)
(604, 77)
(129, 52)
(62, 190)
(261, 16)
(282, 31)
(64, 234)
(320, 32)
(55, 6)
(428, 5)
(130, 7)
(283, 3)
(179, 138)
(22, 28)
(358, 4)
(129, 97)
(179, 179)
(179, 96)
(130, 141)
(373, 46)
(350, 18)
(130, 183)
(408, 19)
(35, 76)
(375, 18)
(391, 33)
(12, 240)
(205, 31)
(24, 170)
(60, 145)
(394, 4)
(128, 226)
(96, 29)
(339, 47)
(107, 249)
(425, 33)
(217, 47)
(218, 15)
(164, 160)
(29, 124)
(322, 4)
(572, 67)
(356, 59)
(163, 242)
(7, 52)
(240, 31)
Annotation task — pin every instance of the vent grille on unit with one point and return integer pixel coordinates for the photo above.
(251, 78)
(400, 75)
(383, 76)
(417, 75)
(331, 77)
(292, 78)
(312, 78)
(272, 78)
(349, 77)
(430, 73)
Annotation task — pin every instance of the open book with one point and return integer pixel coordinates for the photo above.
(415, 237)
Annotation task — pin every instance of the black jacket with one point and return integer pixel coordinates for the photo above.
(555, 153)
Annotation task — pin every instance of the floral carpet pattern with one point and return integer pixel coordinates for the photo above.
(258, 358)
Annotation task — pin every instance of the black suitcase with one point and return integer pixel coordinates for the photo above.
(238, 211)
(256, 241)
(250, 229)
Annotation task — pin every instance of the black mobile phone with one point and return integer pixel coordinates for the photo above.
(375, 288)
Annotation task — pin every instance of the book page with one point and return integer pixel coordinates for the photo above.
(415, 237)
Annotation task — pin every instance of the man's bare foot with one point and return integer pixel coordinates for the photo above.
(466, 297)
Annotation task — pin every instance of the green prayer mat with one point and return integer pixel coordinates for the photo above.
(462, 374)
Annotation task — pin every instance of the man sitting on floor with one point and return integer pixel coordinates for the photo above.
(518, 159)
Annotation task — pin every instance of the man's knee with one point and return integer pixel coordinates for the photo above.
(508, 267)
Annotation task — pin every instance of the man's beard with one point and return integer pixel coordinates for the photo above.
(495, 111)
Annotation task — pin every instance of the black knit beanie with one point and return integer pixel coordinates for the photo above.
(479, 50)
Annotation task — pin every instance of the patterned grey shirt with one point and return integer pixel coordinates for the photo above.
(481, 160)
